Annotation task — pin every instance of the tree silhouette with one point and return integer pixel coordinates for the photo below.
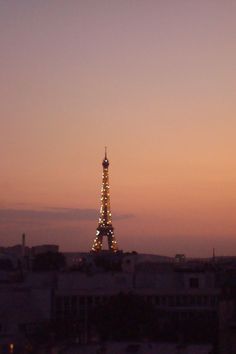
(125, 317)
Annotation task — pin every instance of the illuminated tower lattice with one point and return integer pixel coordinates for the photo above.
(105, 227)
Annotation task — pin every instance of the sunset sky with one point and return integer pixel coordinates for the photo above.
(155, 81)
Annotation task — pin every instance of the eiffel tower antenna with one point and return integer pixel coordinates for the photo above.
(105, 228)
(105, 152)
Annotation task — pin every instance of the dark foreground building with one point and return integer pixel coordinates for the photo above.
(103, 299)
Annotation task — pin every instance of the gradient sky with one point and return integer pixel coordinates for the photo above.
(155, 81)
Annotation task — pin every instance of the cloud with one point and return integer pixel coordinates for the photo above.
(49, 214)
(8, 215)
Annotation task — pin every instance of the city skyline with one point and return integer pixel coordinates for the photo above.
(153, 80)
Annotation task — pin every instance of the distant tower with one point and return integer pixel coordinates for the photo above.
(105, 227)
(213, 255)
(23, 245)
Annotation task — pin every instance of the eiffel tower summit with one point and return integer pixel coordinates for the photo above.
(105, 228)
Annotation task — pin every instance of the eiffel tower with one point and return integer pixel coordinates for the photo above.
(105, 228)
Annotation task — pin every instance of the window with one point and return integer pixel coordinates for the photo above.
(194, 283)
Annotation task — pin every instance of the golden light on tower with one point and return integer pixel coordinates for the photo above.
(105, 227)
